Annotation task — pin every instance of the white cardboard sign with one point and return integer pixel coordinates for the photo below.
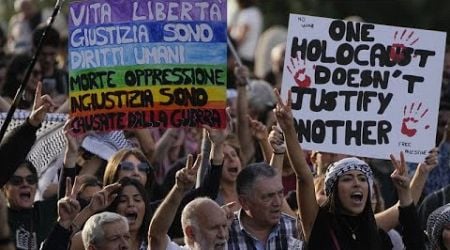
(363, 89)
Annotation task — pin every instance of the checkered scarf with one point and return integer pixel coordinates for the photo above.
(341, 167)
(436, 223)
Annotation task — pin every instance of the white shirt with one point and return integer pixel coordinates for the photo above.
(251, 17)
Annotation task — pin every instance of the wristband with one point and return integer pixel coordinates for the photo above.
(278, 153)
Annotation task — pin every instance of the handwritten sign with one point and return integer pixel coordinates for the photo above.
(363, 89)
(142, 63)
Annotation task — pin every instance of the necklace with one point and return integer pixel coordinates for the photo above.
(352, 229)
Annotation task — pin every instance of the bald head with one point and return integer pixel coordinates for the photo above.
(204, 224)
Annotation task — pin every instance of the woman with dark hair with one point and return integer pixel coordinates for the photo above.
(30, 221)
(14, 76)
(346, 219)
(132, 202)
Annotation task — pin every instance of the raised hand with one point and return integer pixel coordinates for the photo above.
(430, 162)
(185, 177)
(242, 74)
(259, 130)
(218, 136)
(41, 106)
(401, 180)
(276, 140)
(283, 111)
(73, 141)
(101, 200)
(68, 206)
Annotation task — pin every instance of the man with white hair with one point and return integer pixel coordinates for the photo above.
(204, 222)
(107, 231)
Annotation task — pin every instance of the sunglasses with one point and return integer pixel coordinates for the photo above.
(16, 180)
(128, 166)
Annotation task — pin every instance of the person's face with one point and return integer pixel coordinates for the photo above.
(132, 167)
(27, 9)
(446, 236)
(21, 188)
(35, 77)
(231, 164)
(353, 189)
(264, 202)
(213, 229)
(131, 206)
(47, 59)
(116, 237)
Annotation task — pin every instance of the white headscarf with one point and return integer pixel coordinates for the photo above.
(341, 167)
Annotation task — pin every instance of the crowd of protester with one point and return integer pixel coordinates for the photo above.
(247, 186)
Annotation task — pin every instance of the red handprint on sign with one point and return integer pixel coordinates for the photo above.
(299, 73)
(412, 118)
(398, 46)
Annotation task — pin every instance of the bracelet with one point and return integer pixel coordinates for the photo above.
(278, 153)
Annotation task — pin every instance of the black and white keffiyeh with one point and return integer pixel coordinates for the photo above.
(436, 223)
(341, 167)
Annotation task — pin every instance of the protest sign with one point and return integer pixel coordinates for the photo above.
(363, 89)
(135, 64)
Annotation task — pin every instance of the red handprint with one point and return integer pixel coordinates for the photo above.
(398, 46)
(410, 120)
(301, 78)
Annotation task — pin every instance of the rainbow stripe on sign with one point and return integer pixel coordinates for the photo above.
(147, 64)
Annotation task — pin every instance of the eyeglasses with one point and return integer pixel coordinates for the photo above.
(16, 180)
(128, 166)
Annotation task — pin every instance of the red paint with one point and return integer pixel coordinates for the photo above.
(306, 82)
(407, 131)
(396, 53)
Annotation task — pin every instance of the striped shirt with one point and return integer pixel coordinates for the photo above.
(284, 235)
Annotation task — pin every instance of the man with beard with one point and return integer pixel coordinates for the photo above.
(203, 221)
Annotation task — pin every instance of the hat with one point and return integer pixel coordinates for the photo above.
(341, 167)
(436, 223)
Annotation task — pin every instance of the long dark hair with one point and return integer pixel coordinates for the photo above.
(126, 181)
(367, 224)
(16, 67)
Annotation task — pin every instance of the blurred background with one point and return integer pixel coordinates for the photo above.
(424, 14)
